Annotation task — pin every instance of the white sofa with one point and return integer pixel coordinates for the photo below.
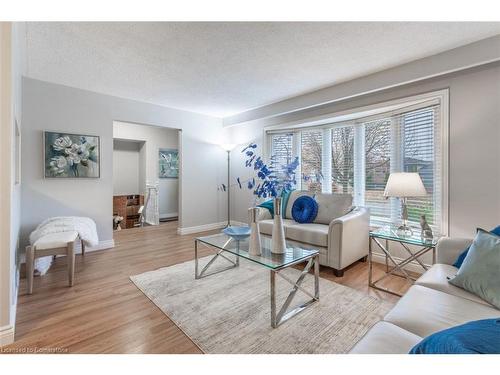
(339, 231)
(431, 305)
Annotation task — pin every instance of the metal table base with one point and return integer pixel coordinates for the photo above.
(397, 269)
(279, 314)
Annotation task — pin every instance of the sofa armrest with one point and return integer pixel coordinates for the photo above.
(263, 214)
(348, 238)
(448, 249)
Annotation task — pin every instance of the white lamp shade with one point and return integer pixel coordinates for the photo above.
(228, 146)
(404, 185)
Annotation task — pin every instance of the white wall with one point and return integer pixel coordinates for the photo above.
(474, 134)
(126, 166)
(12, 66)
(54, 107)
(154, 138)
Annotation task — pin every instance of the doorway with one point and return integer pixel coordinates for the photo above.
(145, 175)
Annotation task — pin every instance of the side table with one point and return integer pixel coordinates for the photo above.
(390, 233)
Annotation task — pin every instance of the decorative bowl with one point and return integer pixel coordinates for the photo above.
(238, 233)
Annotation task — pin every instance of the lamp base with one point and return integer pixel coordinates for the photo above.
(404, 231)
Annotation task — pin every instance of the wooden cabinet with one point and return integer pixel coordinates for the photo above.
(128, 207)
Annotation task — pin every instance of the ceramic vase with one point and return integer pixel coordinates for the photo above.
(278, 244)
(254, 246)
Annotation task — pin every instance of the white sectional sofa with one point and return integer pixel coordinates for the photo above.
(431, 305)
(340, 232)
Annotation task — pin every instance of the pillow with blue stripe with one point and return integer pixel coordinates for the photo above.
(269, 204)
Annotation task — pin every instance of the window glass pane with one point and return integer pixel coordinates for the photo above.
(418, 142)
(282, 150)
(343, 160)
(360, 158)
(311, 156)
(377, 169)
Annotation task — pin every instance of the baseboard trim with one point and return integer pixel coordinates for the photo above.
(412, 266)
(102, 245)
(207, 227)
(201, 228)
(6, 335)
(169, 215)
(238, 223)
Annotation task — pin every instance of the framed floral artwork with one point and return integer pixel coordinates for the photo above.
(168, 163)
(71, 155)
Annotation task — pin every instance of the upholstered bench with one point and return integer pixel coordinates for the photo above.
(62, 243)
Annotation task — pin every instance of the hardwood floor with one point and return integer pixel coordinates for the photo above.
(105, 313)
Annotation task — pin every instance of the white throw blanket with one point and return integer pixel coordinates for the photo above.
(85, 227)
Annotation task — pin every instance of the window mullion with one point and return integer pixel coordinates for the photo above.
(396, 162)
(326, 162)
(359, 165)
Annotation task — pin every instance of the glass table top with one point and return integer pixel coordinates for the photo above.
(390, 232)
(294, 252)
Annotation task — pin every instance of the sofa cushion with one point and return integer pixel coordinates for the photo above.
(424, 311)
(266, 226)
(291, 200)
(315, 234)
(332, 206)
(437, 278)
(386, 338)
(479, 271)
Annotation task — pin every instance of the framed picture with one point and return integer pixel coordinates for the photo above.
(71, 155)
(168, 166)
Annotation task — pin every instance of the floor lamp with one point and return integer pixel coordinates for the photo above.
(228, 147)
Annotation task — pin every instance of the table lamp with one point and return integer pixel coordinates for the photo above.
(404, 185)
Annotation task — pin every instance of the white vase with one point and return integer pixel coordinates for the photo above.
(278, 244)
(254, 245)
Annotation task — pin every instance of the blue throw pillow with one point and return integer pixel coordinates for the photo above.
(478, 337)
(462, 256)
(304, 209)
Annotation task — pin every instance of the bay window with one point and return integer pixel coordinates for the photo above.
(357, 156)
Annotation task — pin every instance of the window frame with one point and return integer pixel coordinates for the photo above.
(358, 115)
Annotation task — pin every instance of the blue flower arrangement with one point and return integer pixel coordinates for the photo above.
(273, 179)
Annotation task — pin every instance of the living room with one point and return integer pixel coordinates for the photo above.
(332, 187)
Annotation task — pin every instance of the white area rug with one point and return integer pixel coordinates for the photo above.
(229, 312)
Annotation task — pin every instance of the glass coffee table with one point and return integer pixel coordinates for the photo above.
(232, 250)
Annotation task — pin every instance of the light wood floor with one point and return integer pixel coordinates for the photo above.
(105, 313)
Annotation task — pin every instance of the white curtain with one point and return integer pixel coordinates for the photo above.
(151, 209)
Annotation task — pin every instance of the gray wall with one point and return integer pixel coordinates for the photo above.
(54, 107)
(474, 135)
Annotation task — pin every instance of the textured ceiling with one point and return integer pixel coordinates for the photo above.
(224, 68)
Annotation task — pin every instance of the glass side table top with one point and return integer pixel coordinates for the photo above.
(294, 253)
(390, 232)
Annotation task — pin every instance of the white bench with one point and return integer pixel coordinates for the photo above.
(62, 243)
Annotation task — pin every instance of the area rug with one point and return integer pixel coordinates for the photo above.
(229, 312)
